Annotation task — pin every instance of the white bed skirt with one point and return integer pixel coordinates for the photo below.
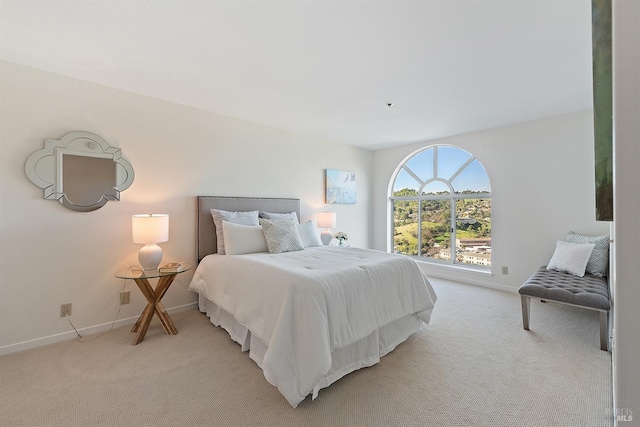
(363, 353)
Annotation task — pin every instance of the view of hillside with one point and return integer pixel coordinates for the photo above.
(473, 221)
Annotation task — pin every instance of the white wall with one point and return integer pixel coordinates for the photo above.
(626, 66)
(53, 255)
(542, 186)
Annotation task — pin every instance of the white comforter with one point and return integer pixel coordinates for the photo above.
(306, 304)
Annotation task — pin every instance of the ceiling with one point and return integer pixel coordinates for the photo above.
(323, 68)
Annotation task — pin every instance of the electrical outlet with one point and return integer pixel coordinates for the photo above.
(505, 269)
(125, 297)
(65, 310)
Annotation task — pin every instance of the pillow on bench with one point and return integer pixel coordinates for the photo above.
(599, 260)
(571, 258)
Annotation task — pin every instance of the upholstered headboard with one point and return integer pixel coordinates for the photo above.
(207, 243)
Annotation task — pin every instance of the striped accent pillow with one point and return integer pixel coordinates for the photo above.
(599, 261)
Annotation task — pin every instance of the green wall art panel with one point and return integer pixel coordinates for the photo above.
(602, 107)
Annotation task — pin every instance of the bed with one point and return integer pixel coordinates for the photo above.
(306, 317)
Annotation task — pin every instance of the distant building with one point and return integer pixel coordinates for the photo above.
(478, 244)
(466, 257)
(476, 258)
(445, 253)
(466, 220)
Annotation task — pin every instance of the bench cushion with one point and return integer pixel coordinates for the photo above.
(588, 291)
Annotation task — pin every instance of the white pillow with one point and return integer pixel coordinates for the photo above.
(309, 234)
(274, 215)
(281, 235)
(243, 239)
(245, 218)
(571, 258)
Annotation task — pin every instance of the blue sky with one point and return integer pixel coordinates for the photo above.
(449, 161)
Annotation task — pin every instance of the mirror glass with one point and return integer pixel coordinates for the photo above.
(80, 170)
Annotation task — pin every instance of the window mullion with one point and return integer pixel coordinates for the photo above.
(463, 167)
(435, 161)
(419, 228)
(454, 253)
(413, 175)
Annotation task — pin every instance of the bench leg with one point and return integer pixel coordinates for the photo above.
(526, 307)
(604, 330)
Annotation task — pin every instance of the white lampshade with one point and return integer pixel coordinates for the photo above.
(326, 220)
(150, 229)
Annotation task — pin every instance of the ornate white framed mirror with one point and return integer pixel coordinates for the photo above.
(80, 170)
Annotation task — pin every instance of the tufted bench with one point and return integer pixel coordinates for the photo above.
(591, 292)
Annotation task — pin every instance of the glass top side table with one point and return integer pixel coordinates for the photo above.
(153, 296)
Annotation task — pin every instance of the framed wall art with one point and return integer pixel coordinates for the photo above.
(601, 15)
(340, 187)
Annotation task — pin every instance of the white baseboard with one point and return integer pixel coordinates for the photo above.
(461, 275)
(90, 330)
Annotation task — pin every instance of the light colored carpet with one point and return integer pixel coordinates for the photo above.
(473, 365)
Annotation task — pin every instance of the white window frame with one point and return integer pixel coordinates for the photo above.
(452, 197)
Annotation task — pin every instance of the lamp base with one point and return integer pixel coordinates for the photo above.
(326, 236)
(150, 256)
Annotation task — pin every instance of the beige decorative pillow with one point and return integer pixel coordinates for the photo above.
(281, 235)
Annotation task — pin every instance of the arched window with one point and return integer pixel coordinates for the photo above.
(441, 198)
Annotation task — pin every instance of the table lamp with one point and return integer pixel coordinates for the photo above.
(149, 230)
(326, 220)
